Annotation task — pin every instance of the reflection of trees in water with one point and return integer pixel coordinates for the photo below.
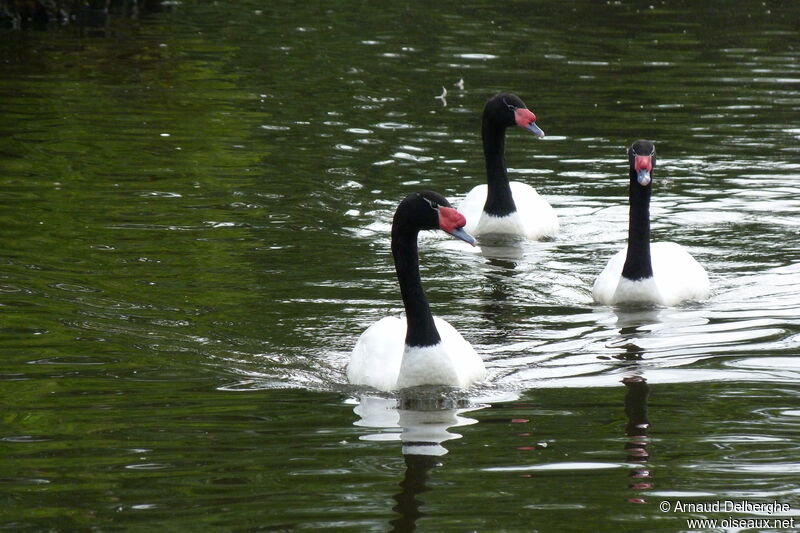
(90, 14)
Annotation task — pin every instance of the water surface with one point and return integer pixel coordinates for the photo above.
(194, 231)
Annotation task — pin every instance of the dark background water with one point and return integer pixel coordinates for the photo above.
(194, 209)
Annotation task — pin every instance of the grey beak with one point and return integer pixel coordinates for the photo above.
(459, 233)
(536, 130)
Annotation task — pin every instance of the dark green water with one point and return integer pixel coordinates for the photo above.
(194, 216)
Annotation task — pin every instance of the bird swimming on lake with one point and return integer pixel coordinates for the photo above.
(395, 353)
(659, 273)
(499, 206)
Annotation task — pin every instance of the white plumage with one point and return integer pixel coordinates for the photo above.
(677, 277)
(534, 218)
(418, 349)
(382, 360)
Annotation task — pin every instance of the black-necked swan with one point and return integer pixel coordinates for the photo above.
(660, 273)
(396, 353)
(500, 206)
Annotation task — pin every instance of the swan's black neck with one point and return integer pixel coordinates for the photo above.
(637, 263)
(499, 201)
(420, 330)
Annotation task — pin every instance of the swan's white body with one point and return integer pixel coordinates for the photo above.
(382, 360)
(534, 218)
(677, 277)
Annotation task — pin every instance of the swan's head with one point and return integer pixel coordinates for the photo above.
(642, 159)
(431, 210)
(506, 109)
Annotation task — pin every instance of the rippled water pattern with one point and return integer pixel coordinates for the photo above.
(196, 201)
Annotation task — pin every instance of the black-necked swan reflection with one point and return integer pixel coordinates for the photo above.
(659, 273)
(499, 206)
(396, 353)
(421, 423)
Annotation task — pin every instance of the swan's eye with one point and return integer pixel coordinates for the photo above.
(511, 107)
(431, 203)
